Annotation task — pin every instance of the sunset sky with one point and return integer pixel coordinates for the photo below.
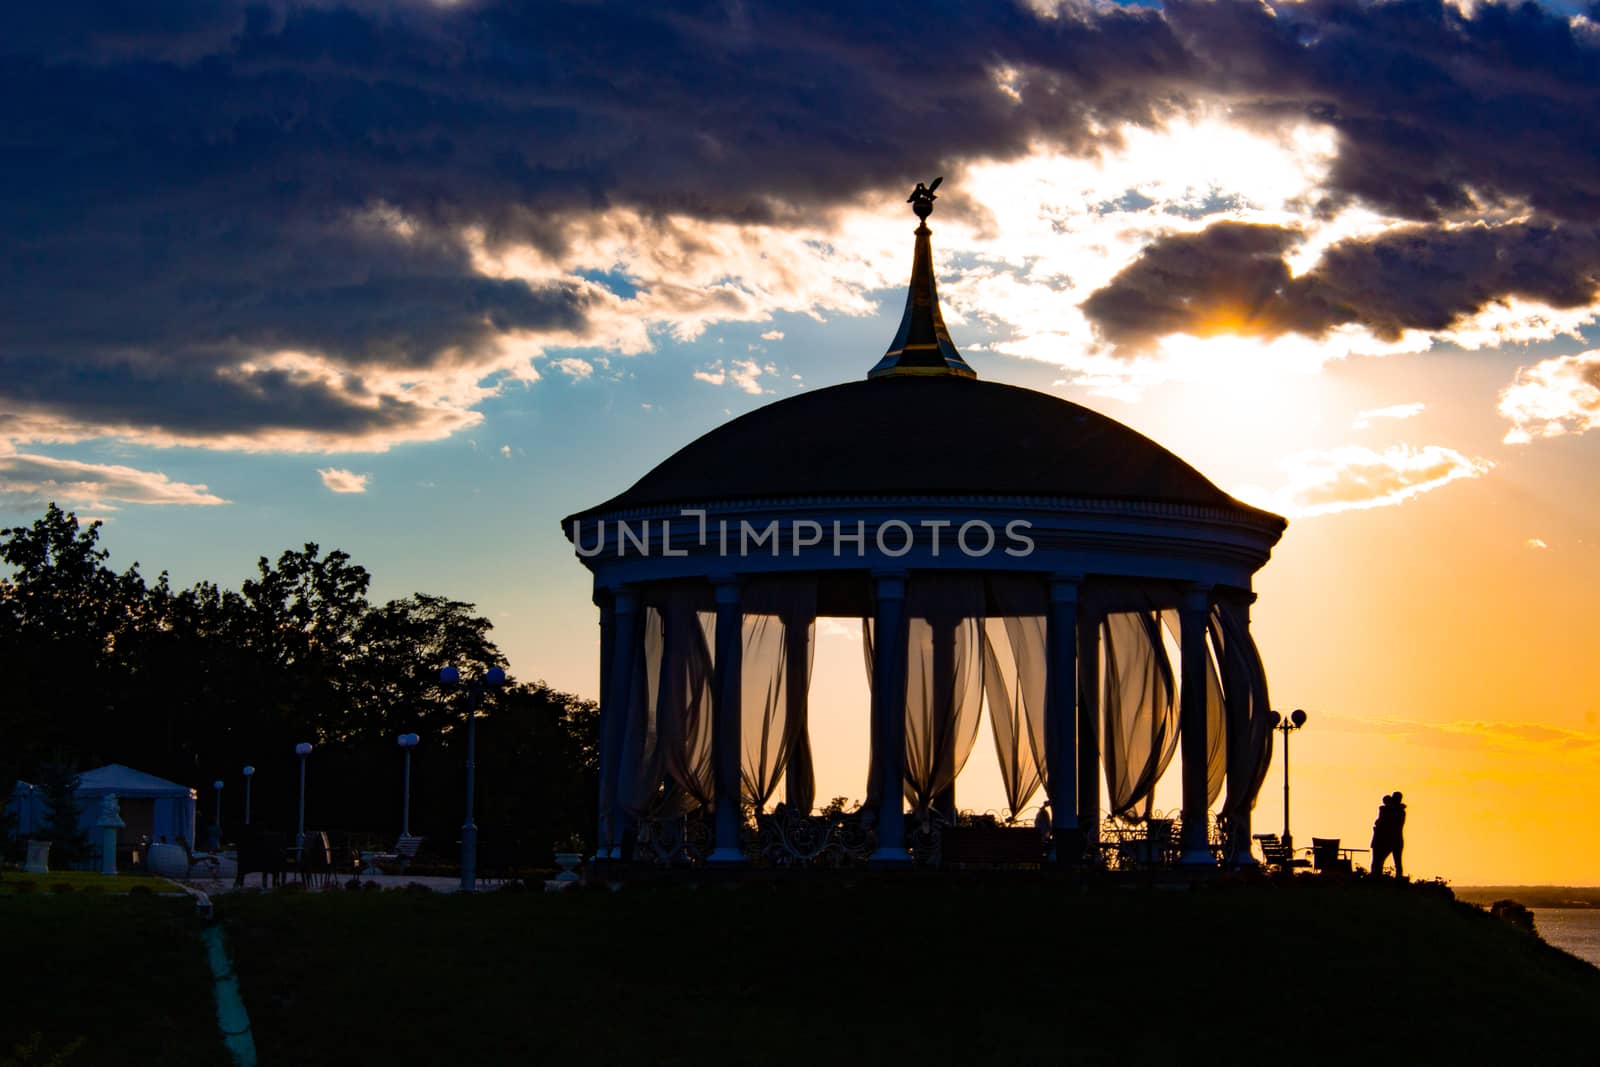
(417, 279)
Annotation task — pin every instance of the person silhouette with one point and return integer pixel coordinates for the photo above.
(1388, 834)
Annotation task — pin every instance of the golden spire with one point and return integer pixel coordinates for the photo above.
(922, 345)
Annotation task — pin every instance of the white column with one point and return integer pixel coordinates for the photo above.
(1089, 730)
(604, 834)
(727, 689)
(1060, 718)
(1192, 615)
(624, 659)
(889, 713)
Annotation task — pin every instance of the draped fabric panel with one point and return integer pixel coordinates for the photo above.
(1014, 683)
(666, 767)
(639, 770)
(1216, 721)
(1139, 709)
(684, 713)
(779, 639)
(944, 681)
(1239, 650)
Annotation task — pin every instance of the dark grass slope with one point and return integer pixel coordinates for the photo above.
(125, 976)
(903, 973)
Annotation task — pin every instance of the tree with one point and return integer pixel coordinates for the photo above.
(192, 684)
(58, 787)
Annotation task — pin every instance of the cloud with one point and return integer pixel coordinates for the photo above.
(1537, 543)
(339, 227)
(1553, 397)
(1364, 419)
(1354, 478)
(744, 374)
(574, 368)
(1471, 734)
(772, 335)
(505, 450)
(28, 482)
(1234, 278)
(342, 481)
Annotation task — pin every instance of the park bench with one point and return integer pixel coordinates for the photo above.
(991, 846)
(1277, 854)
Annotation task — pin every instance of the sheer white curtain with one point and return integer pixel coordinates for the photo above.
(1139, 709)
(683, 701)
(779, 635)
(1239, 652)
(944, 681)
(639, 769)
(666, 767)
(1014, 683)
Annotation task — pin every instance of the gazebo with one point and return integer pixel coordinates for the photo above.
(1005, 549)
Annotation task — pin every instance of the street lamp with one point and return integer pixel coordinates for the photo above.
(249, 773)
(1287, 724)
(216, 827)
(303, 749)
(407, 742)
(493, 678)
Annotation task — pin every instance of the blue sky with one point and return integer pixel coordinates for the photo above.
(486, 263)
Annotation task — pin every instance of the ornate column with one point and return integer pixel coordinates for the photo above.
(1089, 729)
(1060, 717)
(889, 713)
(727, 681)
(615, 706)
(799, 788)
(1237, 689)
(1193, 613)
(608, 711)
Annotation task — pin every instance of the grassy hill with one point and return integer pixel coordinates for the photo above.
(891, 971)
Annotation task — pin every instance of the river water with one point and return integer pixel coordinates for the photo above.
(1575, 930)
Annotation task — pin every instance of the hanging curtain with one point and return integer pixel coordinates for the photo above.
(639, 769)
(666, 767)
(1014, 683)
(779, 635)
(944, 681)
(1245, 661)
(1139, 709)
(683, 702)
(1216, 719)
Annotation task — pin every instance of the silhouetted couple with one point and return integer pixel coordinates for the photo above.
(1388, 834)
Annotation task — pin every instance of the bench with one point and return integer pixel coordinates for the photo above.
(990, 846)
(1277, 854)
(405, 850)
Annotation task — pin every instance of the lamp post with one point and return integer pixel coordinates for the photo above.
(493, 678)
(216, 827)
(303, 749)
(1287, 724)
(249, 773)
(407, 742)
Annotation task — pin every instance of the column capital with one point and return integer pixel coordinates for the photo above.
(624, 597)
(889, 584)
(1196, 597)
(1064, 588)
(727, 588)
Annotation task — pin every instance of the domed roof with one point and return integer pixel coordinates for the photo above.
(922, 424)
(921, 435)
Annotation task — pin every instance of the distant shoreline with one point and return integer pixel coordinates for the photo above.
(1532, 896)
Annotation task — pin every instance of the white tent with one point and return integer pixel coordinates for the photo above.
(151, 807)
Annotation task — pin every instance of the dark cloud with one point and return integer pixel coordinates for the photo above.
(1232, 278)
(182, 186)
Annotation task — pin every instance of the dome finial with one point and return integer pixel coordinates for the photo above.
(922, 345)
(922, 198)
